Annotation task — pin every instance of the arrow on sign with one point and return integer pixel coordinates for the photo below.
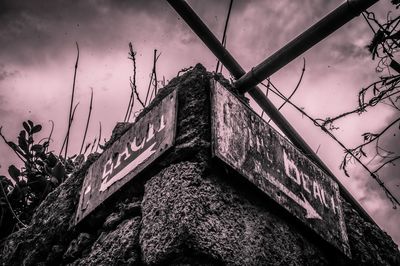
(131, 166)
(311, 213)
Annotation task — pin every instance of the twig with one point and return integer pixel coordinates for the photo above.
(51, 133)
(129, 105)
(224, 34)
(153, 80)
(98, 143)
(71, 104)
(72, 118)
(93, 144)
(295, 89)
(266, 95)
(390, 196)
(387, 162)
(155, 71)
(297, 85)
(377, 135)
(14, 148)
(183, 70)
(9, 206)
(132, 83)
(87, 121)
(148, 89)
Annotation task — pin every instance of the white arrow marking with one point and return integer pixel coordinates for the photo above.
(132, 165)
(311, 213)
(88, 189)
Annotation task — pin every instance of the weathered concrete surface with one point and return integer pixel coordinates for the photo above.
(46, 238)
(184, 207)
(116, 247)
(186, 210)
(369, 244)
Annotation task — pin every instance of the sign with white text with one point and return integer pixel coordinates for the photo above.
(245, 142)
(143, 143)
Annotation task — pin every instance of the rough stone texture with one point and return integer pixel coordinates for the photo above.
(118, 247)
(188, 210)
(126, 210)
(45, 239)
(184, 208)
(76, 247)
(369, 244)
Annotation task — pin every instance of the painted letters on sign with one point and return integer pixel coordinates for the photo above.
(244, 141)
(144, 142)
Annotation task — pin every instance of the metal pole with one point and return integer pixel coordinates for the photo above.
(319, 31)
(202, 31)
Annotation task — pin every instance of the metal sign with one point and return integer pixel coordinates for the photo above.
(244, 141)
(143, 143)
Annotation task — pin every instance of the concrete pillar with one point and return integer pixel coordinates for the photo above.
(185, 209)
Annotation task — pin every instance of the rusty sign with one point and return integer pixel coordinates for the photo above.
(245, 142)
(143, 143)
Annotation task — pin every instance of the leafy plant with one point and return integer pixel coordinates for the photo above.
(27, 187)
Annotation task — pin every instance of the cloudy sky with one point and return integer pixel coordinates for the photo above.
(37, 57)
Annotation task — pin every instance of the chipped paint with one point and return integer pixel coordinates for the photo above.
(244, 141)
(142, 144)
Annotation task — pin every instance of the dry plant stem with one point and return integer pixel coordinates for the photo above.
(5, 140)
(155, 71)
(129, 106)
(87, 147)
(93, 144)
(132, 83)
(297, 85)
(87, 121)
(71, 105)
(390, 196)
(153, 80)
(98, 143)
(72, 119)
(51, 133)
(295, 89)
(138, 97)
(385, 43)
(386, 163)
(384, 94)
(73, 112)
(224, 35)
(9, 206)
(376, 136)
(148, 89)
(266, 95)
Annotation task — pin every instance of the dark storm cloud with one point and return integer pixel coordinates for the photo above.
(4, 73)
(36, 30)
(30, 31)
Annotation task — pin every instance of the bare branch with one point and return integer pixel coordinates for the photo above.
(349, 152)
(70, 114)
(98, 143)
(87, 121)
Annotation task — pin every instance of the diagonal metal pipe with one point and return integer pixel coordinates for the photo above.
(319, 31)
(202, 31)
